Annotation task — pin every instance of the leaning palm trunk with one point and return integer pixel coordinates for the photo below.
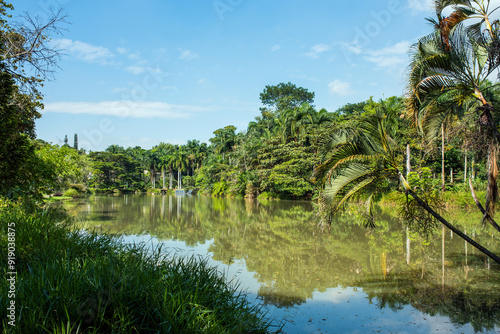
(462, 235)
(480, 207)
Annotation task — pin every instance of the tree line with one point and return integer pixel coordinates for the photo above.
(283, 153)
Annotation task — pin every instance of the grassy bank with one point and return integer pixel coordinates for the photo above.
(74, 282)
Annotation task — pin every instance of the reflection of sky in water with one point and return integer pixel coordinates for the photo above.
(336, 310)
(305, 278)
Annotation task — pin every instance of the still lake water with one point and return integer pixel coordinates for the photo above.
(347, 280)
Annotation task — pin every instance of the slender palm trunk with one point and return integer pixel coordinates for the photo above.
(442, 156)
(465, 168)
(480, 207)
(408, 164)
(171, 176)
(163, 176)
(462, 235)
(153, 177)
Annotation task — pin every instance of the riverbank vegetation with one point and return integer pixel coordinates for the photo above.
(73, 282)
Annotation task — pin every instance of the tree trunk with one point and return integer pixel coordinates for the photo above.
(480, 207)
(465, 168)
(163, 176)
(427, 208)
(491, 138)
(473, 172)
(442, 156)
(408, 164)
(171, 176)
(153, 177)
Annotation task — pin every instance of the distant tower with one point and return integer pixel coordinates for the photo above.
(75, 142)
(65, 139)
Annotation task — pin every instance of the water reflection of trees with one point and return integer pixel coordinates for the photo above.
(292, 259)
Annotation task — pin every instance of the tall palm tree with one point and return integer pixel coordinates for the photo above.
(192, 148)
(115, 149)
(181, 163)
(224, 140)
(163, 153)
(450, 69)
(201, 153)
(152, 165)
(361, 162)
(293, 122)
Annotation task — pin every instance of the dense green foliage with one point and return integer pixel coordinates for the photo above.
(282, 154)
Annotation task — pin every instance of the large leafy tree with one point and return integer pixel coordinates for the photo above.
(449, 74)
(285, 96)
(114, 171)
(25, 61)
(285, 169)
(140, 155)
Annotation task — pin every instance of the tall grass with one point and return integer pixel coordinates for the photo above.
(75, 282)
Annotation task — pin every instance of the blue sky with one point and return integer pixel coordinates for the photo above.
(136, 73)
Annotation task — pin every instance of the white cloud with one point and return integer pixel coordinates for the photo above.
(352, 47)
(275, 47)
(340, 87)
(187, 54)
(138, 69)
(119, 90)
(86, 52)
(122, 51)
(390, 56)
(135, 69)
(126, 109)
(421, 5)
(318, 49)
(134, 56)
